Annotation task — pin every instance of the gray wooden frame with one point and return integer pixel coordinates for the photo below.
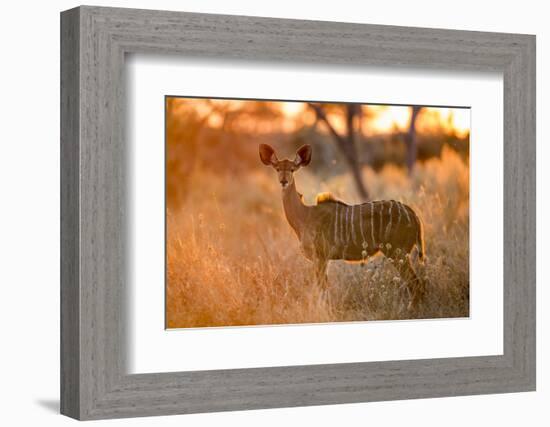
(94, 41)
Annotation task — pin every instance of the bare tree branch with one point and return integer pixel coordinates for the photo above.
(321, 115)
(345, 144)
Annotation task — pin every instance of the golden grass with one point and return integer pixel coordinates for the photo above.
(232, 258)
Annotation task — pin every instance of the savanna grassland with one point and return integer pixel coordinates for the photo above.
(232, 258)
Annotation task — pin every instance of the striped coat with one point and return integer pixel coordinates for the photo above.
(355, 232)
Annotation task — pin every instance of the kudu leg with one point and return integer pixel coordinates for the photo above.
(415, 286)
(321, 273)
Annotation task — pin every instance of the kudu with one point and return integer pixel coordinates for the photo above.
(333, 230)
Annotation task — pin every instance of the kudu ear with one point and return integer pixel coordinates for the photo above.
(267, 155)
(303, 155)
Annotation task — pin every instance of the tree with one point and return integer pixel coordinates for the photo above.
(346, 142)
(411, 140)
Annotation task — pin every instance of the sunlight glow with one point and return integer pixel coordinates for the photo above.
(387, 118)
(291, 109)
(391, 118)
(376, 119)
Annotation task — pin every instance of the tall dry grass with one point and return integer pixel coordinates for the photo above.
(232, 258)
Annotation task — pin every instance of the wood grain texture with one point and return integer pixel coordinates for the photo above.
(94, 270)
(70, 221)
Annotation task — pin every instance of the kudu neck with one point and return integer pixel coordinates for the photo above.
(295, 210)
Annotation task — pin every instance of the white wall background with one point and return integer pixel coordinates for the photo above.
(29, 218)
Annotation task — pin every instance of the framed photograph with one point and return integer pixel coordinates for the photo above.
(261, 213)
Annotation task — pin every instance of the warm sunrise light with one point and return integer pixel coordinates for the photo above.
(292, 109)
(289, 212)
(376, 119)
(386, 118)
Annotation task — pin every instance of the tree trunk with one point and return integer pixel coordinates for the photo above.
(411, 141)
(346, 144)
